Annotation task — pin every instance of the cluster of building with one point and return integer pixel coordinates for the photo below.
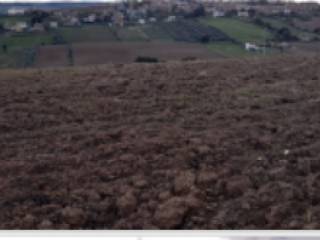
(151, 11)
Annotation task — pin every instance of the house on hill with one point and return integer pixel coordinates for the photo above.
(15, 11)
(90, 19)
(171, 19)
(17, 27)
(252, 47)
(53, 24)
(72, 22)
(37, 27)
(142, 21)
(217, 13)
(214, 12)
(243, 13)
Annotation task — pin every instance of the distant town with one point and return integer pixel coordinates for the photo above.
(150, 11)
(64, 34)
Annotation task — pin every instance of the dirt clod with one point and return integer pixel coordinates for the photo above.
(45, 225)
(127, 204)
(207, 178)
(237, 185)
(184, 182)
(74, 216)
(170, 214)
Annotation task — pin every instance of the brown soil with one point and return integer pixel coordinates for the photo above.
(310, 25)
(127, 52)
(229, 144)
(305, 48)
(52, 56)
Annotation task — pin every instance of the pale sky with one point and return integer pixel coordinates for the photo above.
(32, 1)
(26, 1)
(58, 1)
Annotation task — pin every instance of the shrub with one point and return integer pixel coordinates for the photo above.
(58, 39)
(4, 48)
(205, 39)
(189, 59)
(284, 34)
(147, 59)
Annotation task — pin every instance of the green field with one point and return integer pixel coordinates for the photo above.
(89, 33)
(12, 19)
(9, 59)
(132, 34)
(25, 40)
(17, 58)
(226, 49)
(239, 30)
(19, 47)
(278, 23)
(155, 32)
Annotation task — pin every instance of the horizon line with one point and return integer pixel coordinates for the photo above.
(113, 1)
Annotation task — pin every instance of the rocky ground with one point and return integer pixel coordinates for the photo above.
(227, 144)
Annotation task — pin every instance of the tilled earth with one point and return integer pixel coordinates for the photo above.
(227, 144)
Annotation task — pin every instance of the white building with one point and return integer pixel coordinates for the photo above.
(243, 13)
(90, 19)
(142, 21)
(286, 11)
(152, 19)
(251, 47)
(217, 13)
(38, 27)
(16, 11)
(171, 19)
(53, 24)
(19, 27)
(214, 12)
(73, 21)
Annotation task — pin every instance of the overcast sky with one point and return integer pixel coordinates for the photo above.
(59, 0)
(105, 0)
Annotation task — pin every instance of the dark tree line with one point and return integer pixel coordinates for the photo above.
(4, 48)
(38, 17)
(1, 28)
(280, 34)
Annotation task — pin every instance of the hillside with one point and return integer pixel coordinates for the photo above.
(225, 144)
(239, 30)
(218, 37)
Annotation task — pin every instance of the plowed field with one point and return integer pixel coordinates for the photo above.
(226, 144)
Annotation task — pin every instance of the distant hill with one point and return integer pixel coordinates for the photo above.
(47, 6)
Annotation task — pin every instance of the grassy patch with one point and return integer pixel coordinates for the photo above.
(132, 34)
(227, 49)
(25, 40)
(192, 31)
(16, 58)
(13, 19)
(238, 29)
(20, 48)
(278, 23)
(155, 32)
(8, 60)
(90, 33)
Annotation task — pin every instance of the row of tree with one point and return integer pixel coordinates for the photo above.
(4, 47)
